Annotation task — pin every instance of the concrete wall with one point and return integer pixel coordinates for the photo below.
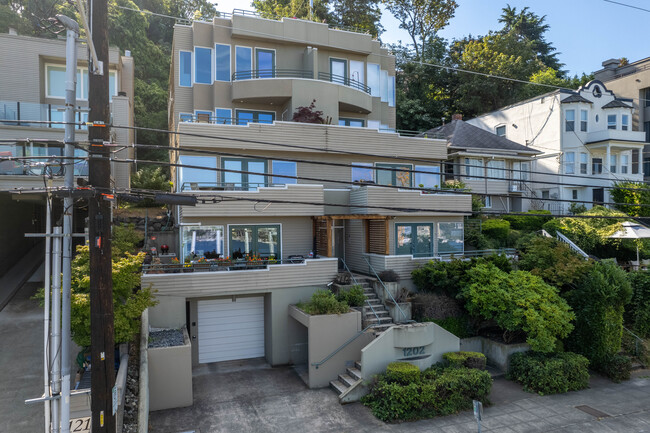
(421, 344)
(169, 313)
(170, 376)
(498, 354)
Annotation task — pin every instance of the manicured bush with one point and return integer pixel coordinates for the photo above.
(527, 222)
(497, 229)
(433, 307)
(637, 312)
(439, 391)
(354, 296)
(466, 359)
(550, 373)
(324, 302)
(518, 301)
(459, 325)
(389, 276)
(598, 300)
(617, 367)
(402, 373)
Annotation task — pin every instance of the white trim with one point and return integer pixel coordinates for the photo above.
(496, 128)
(80, 70)
(229, 63)
(194, 68)
(191, 68)
(250, 68)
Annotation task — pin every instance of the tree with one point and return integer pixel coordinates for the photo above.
(309, 114)
(359, 14)
(274, 9)
(629, 196)
(519, 301)
(422, 19)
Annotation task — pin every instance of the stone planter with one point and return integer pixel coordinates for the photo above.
(170, 375)
(497, 353)
(393, 288)
(396, 313)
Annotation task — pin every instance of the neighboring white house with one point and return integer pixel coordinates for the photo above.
(586, 138)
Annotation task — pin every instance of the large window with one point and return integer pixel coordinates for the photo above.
(521, 170)
(450, 238)
(255, 240)
(221, 62)
(192, 179)
(338, 70)
(569, 163)
(55, 82)
(351, 122)
(185, 69)
(373, 79)
(223, 116)
(199, 240)
(362, 174)
(596, 165)
(584, 120)
(243, 59)
(244, 117)
(584, 162)
(430, 179)
(496, 169)
(287, 168)
(473, 168)
(202, 65)
(570, 120)
(611, 121)
(244, 181)
(414, 239)
(265, 63)
(395, 176)
(356, 71)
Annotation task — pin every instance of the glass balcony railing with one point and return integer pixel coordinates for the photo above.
(38, 159)
(299, 73)
(28, 114)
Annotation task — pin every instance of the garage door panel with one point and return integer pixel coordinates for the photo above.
(230, 330)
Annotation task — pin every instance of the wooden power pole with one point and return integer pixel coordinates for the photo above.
(99, 230)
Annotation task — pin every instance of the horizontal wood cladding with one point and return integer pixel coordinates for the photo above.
(377, 236)
(311, 138)
(260, 202)
(317, 272)
(432, 204)
(403, 265)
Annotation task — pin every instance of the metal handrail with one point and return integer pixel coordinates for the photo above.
(572, 245)
(217, 265)
(637, 340)
(350, 340)
(386, 290)
(480, 253)
(271, 73)
(345, 265)
(226, 186)
(373, 311)
(346, 81)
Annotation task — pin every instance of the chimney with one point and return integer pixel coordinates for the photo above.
(456, 117)
(611, 64)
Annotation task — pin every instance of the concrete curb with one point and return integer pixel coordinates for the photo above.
(143, 398)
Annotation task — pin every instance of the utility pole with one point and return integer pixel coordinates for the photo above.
(99, 229)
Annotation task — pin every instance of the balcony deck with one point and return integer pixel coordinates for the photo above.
(363, 200)
(310, 272)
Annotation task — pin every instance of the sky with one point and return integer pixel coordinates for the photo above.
(585, 32)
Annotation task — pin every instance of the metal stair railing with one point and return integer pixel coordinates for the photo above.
(570, 243)
(341, 347)
(345, 266)
(405, 320)
(638, 341)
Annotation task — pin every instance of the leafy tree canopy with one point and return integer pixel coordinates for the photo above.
(629, 196)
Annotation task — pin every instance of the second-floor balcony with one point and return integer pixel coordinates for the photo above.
(34, 115)
(36, 158)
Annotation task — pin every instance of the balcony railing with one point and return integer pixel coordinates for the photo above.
(218, 265)
(346, 81)
(15, 113)
(271, 73)
(226, 186)
(37, 159)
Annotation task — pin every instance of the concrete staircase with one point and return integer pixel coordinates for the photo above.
(347, 383)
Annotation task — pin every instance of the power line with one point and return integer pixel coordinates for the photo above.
(627, 5)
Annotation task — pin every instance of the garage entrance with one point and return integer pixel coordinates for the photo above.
(230, 329)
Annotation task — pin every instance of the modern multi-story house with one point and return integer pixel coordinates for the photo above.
(490, 165)
(32, 90)
(587, 141)
(632, 80)
(283, 205)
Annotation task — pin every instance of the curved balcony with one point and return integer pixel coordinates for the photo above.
(299, 73)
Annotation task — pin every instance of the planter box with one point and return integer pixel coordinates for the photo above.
(170, 375)
(395, 312)
(498, 354)
(393, 288)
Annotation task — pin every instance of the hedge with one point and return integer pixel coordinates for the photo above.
(528, 222)
(549, 373)
(466, 359)
(496, 229)
(402, 373)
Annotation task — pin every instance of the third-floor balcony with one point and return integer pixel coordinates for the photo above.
(34, 115)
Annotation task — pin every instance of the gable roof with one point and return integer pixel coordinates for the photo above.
(462, 135)
(616, 103)
(576, 98)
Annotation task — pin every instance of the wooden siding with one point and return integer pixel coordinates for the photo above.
(312, 138)
(377, 236)
(300, 193)
(403, 265)
(317, 272)
(446, 204)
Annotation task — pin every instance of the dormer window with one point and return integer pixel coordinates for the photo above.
(570, 120)
(501, 130)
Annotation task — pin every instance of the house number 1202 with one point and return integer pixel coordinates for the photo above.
(413, 351)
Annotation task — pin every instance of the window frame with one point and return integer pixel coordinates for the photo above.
(209, 169)
(256, 228)
(383, 85)
(437, 246)
(283, 180)
(569, 124)
(584, 169)
(370, 169)
(245, 183)
(214, 227)
(82, 77)
(625, 122)
(499, 171)
(217, 117)
(255, 113)
(250, 66)
(333, 60)
(394, 182)
(435, 174)
(613, 163)
(375, 91)
(256, 62)
(391, 91)
(195, 69)
(584, 124)
(569, 160)
(595, 165)
(610, 124)
(625, 163)
(348, 120)
(498, 127)
(414, 227)
(180, 69)
(468, 168)
(216, 66)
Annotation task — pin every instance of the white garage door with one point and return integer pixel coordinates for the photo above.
(231, 330)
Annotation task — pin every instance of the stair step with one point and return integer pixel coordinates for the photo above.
(354, 373)
(381, 321)
(357, 364)
(374, 301)
(346, 379)
(381, 328)
(381, 313)
(338, 386)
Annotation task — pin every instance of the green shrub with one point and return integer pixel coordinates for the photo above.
(354, 296)
(439, 391)
(324, 302)
(478, 240)
(389, 276)
(630, 195)
(550, 373)
(617, 367)
(466, 359)
(402, 373)
(125, 240)
(459, 325)
(598, 300)
(497, 229)
(519, 301)
(637, 312)
(528, 222)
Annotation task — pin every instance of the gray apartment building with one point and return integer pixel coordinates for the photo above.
(32, 90)
(282, 205)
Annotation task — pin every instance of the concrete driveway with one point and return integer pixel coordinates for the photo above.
(249, 396)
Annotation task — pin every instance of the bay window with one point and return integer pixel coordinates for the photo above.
(596, 165)
(261, 241)
(611, 121)
(625, 161)
(583, 163)
(583, 120)
(625, 119)
(414, 239)
(612, 163)
(198, 240)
